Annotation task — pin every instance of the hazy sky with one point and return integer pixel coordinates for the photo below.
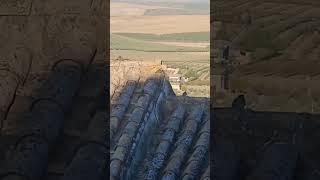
(172, 1)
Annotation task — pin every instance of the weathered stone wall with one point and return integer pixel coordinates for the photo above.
(37, 33)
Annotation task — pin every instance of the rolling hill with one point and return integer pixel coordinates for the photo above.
(119, 42)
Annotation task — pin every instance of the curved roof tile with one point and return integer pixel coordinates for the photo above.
(167, 133)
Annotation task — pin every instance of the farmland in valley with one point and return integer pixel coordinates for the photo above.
(138, 44)
(163, 30)
(283, 39)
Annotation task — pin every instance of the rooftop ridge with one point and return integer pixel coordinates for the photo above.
(144, 149)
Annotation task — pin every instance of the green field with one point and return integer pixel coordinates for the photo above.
(175, 37)
(282, 37)
(198, 75)
(198, 71)
(120, 42)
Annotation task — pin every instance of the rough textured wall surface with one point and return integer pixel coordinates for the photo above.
(35, 34)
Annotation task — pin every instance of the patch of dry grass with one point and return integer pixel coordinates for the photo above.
(167, 56)
(186, 44)
(160, 24)
(127, 9)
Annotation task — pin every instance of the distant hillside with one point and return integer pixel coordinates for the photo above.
(167, 11)
(175, 37)
(162, 1)
(119, 42)
(283, 36)
(191, 6)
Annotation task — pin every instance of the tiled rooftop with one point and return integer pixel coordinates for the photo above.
(58, 132)
(156, 135)
(253, 145)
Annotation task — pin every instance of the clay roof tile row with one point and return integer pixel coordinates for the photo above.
(177, 140)
(43, 144)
